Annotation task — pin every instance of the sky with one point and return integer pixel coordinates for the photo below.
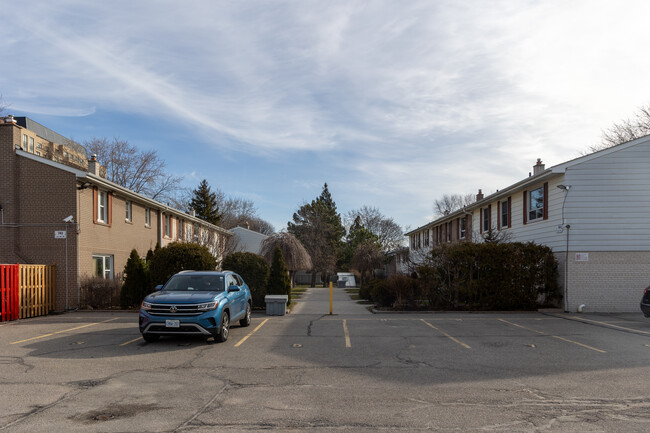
(392, 103)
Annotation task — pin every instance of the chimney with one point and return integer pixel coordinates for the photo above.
(193, 212)
(248, 226)
(538, 168)
(93, 165)
(479, 196)
(10, 119)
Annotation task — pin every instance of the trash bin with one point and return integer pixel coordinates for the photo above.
(276, 305)
(341, 284)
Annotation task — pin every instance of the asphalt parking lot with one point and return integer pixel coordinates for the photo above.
(350, 371)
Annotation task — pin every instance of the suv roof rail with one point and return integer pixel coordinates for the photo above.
(186, 271)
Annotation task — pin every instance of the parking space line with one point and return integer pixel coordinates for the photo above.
(129, 342)
(239, 343)
(60, 332)
(554, 336)
(347, 334)
(581, 319)
(446, 335)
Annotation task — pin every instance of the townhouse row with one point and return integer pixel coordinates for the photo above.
(591, 211)
(58, 212)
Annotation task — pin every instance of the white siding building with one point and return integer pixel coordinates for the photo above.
(248, 241)
(592, 211)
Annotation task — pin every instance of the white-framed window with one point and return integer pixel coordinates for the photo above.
(181, 231)
(129, 211)
(31, 144)
(504, 214)
(463, 227)
(486, 219)
(39, 146)
(102, 206)
(38, 153)
(536, 204)
(448, 229)
(25, 141)
(147, 217)
(168, 226)
(103, 265)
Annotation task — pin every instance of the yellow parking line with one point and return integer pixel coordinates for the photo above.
(347, 334)
(554, 336)
(581, 319)
(60, 332)
(239, 343)
(129, 342)
(447, 335)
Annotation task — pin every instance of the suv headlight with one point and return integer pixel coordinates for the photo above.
(207, 306)
(146, 306)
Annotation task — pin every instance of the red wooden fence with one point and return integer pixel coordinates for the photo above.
(9, 289)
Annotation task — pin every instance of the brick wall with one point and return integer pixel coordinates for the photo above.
(608, 282)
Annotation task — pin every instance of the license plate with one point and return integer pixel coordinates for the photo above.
(172, 323)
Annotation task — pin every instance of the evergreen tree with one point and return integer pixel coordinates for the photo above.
(204, 202)
(357, 235)
(318, 227)
(279, 282)
(135, 285)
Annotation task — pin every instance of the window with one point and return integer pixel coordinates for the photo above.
(39, 146)
(25, 142)
(463, 227)
(38, 153)
(181, 226)
(168, 226)
(536, 204)
(485, 223)
(103, 265)
(448, 229)
(31, 144)
(129, 211)
(102, 206)
(504, 214)
(147, 217)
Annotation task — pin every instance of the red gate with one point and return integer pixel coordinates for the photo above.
(9, 305)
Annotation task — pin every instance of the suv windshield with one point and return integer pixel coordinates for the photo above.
(189, 283)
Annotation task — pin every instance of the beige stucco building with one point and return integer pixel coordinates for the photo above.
(68, 214)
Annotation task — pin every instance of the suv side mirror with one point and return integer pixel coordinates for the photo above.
(158, 287)
(233, 288)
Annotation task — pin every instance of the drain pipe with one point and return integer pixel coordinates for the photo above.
(581, 308)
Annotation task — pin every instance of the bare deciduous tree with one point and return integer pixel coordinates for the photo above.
(367, 257)
(625, 130)
(143, 172)
(296, 257)
(389, 233)
(452, 202)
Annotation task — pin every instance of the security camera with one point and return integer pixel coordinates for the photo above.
(68, 219)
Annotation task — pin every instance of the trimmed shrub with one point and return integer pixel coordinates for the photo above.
(255, 272)
(179, 256)
(135, 285)
(279, 282)
(99, 293)
(490, 276)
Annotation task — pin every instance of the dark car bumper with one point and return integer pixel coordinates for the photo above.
(645, 307)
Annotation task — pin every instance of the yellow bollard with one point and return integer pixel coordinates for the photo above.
(331, 291)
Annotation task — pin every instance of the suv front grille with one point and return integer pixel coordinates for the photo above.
(175, 310)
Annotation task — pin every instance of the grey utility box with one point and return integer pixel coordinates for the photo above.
(341, 284)
(276, 305)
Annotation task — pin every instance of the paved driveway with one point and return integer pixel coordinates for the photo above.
(351, 371)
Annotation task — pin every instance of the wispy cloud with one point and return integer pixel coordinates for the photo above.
(399, 100)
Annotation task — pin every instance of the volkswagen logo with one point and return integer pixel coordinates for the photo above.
(173, 309)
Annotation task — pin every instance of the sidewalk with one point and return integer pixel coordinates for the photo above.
(316, 300)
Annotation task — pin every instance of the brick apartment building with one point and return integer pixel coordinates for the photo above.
(591, 211)
(44, 196)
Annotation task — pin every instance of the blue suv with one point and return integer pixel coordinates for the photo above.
(196, 303)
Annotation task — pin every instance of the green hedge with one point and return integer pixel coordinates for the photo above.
(468, 276)
(255, 272)
(177, 257)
